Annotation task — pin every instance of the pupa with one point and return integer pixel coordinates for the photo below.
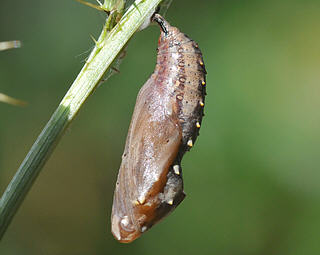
(164, 125)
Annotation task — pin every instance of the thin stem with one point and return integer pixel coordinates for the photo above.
(107, 48)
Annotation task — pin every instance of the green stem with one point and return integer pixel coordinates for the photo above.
(102, 56)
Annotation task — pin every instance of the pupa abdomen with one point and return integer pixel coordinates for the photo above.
(165, 124)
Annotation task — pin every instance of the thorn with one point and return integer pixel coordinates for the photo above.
(115, 69)
(99, 2)
(95, 41)
(91, 5)
(10, 100)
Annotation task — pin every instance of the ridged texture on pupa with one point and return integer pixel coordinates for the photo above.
(164, 125)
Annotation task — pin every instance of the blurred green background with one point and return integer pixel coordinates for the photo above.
(252, 179)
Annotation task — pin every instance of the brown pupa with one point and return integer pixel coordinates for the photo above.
(165, 124)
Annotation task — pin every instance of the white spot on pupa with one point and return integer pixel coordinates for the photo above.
(125, 221)
(141, 200)
(135, 202)
(170, 202)
(198, 125)
(176, 169)
(143, 229)
(190, 143)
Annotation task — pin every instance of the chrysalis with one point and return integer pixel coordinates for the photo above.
(165, 124)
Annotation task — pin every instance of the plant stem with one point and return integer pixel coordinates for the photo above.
(106, 50)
